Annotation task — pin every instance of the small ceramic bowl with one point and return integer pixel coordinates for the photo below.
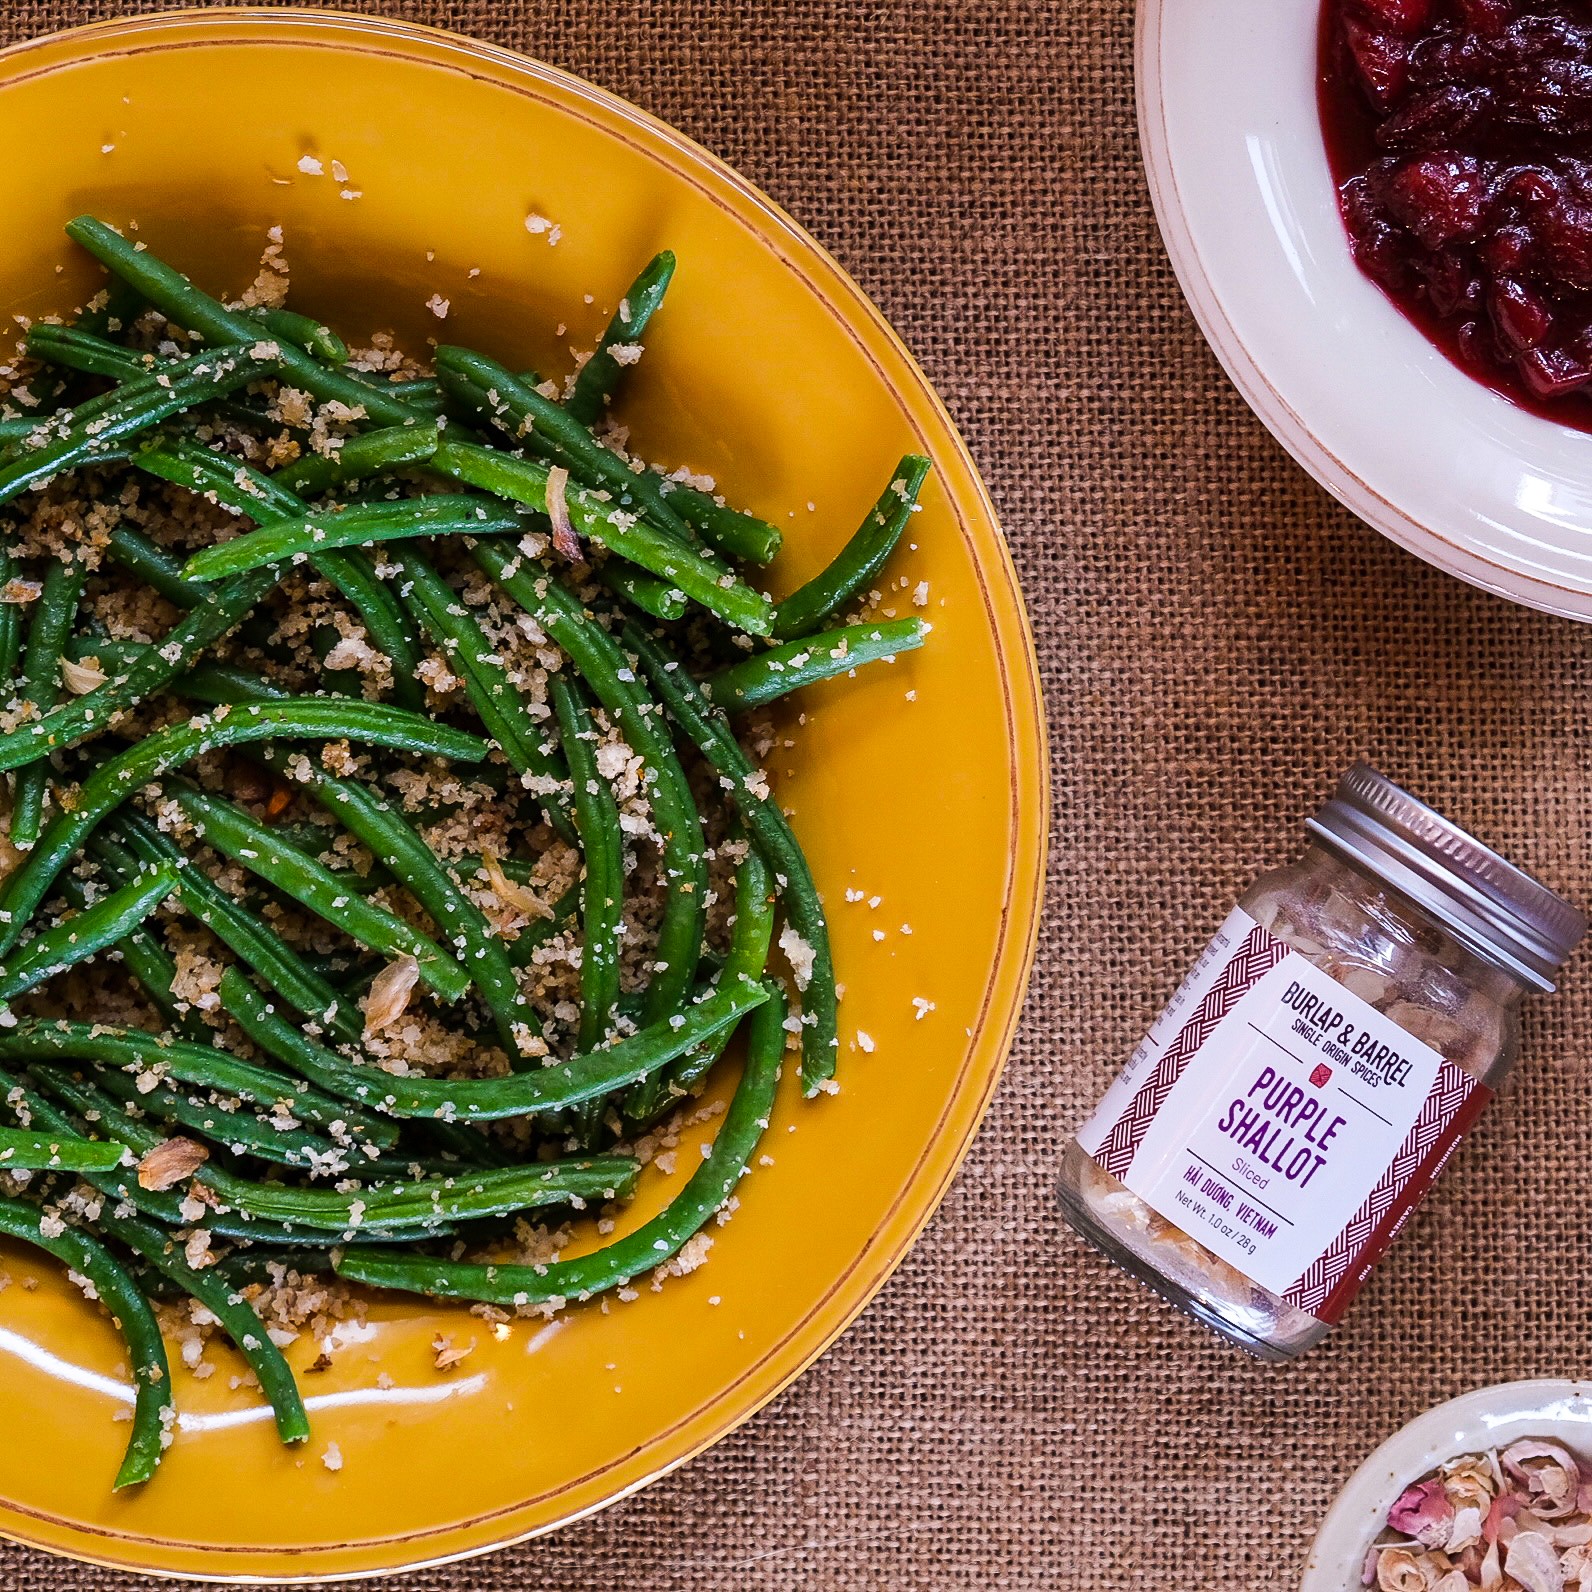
(1238, 171)
(1491, 1417)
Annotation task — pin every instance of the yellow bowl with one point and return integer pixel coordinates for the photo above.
(921, 784)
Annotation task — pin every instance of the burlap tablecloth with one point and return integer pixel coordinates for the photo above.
(1218, 641)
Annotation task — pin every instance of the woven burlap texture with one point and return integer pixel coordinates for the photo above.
(1218, 641)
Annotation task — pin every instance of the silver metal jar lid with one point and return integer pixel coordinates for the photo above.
(1497, 910)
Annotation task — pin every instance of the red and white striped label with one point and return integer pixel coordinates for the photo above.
(1281, 1120)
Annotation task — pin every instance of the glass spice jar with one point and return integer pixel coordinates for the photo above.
(1305, 1086)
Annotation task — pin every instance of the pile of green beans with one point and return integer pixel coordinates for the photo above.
(218, 839)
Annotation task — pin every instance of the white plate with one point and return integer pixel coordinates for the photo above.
(1238, 173)
(1491, 1417)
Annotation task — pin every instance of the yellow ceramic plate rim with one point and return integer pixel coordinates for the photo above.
(1028, 785)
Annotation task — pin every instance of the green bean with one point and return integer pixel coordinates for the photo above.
(80, 349)
(53, 619)
(242, 837)
(179, 300)
(606, 670)
(217, 684)
(766, 676)
(147, 961)
(302, 331)
(702, 576)
(240, 931)
(59, 1152)
(496, 699)
(521, 411)
(139, 406)
(650, 1246)
(601, 374)
(116, 779)
(77, 938)
(73, 721)
(469, 1194)
(603, 845)
(733, 531)
(242, 1132)
(113, 309)
(94, 1105)
(641, 590)
(10, 631)
(218, 1294)
(856, 564)
(245, 491)
(335, 526)
(750, 938)
(551, 1088)
(155, 567)
(370, 453)
(153, 1411)
(200, 1065)
(378, 825)
(280, 1209)
(420, 392)
(702, 723)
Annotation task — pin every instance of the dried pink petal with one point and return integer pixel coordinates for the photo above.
(1454, 1581)
(1400, 1570)
(1504, 1509)
(1471, 1482)
(1549, 1473)
(1576, 1568)
(389, 994)
(1423, 1512)
(1491, 1574)
(1530, 1559)
(1465, 1531)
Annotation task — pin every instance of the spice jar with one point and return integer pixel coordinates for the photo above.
(1305, 1086)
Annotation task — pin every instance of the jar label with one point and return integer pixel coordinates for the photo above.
(1281, 1120)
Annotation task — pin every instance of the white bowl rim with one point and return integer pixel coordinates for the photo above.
(1488, 1417)
(1508, 568)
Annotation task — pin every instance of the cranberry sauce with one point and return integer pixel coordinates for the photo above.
(1460, 137)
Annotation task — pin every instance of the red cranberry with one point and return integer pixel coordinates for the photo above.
(1507, 249)
(1521, 317)
(1395, 16)
(1486, 17)
(1564, 242)
(1552, 373)
(1474, 344)
(1382, 61)
(1448, 115)
(1474, 211)
(1439, 198)
(1452, 284)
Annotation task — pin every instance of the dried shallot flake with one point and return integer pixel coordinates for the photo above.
(564, 537)
(171, 1162)
(523, 904)
(81, 678)
(389, 994)
(1519, 1518)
